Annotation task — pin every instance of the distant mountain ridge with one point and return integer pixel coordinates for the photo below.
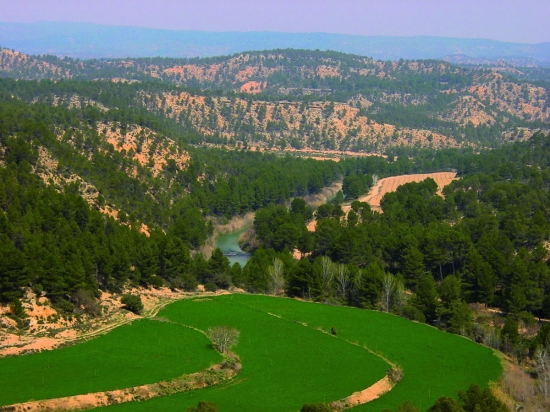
(87, 40)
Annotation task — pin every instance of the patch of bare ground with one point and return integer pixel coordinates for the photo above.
(46, 169)
(143, 146)
(14, 60)
(47, 329)
(468, 109)
(371, 393)
(253, 87)
(390, 184)
(214, 375)
(529, 102)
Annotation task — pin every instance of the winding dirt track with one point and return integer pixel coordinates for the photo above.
(371, 393)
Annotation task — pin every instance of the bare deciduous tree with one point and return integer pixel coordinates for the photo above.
(223, 337)
(517, 383)
(399, 297)
(342, 280)
(388, 286)
(356, 283)
(276, 279)
(492, 339)
(374, 179)
(542, 359)
(327, 274)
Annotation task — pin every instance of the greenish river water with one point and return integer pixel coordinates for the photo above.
(229, 245)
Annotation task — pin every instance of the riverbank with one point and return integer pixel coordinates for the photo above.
(230, 235)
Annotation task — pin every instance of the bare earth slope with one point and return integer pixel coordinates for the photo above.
(390, 184)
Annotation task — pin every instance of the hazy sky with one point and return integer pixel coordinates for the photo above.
(523, 21)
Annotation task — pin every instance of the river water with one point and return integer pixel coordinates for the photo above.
(229, 245)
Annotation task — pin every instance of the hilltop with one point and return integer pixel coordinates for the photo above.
(304, 100)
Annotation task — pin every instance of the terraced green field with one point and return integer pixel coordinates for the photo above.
(146, 351)
(435, 363)
(287, 364)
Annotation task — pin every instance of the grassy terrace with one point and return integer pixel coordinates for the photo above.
(146, 351)
(287, 364)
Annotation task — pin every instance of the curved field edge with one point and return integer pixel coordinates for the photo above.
(146, 351)
(284, 364)
(435, 363)
(212, 376)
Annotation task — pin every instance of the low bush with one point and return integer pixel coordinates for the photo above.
(132, 303)
(210, 287)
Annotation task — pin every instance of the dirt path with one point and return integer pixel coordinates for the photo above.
(371, 393)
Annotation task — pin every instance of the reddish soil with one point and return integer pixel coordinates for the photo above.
(371, 393)
(47, 330)
(253, 87)
(390, 184)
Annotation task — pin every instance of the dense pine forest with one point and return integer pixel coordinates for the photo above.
(118, 148)
(299, 99)
(484, 241)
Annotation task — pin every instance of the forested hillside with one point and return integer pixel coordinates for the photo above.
(306, 99)
(485, 242)
(93, 198)
(114, 171)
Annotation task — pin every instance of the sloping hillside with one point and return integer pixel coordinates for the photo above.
(299, 99)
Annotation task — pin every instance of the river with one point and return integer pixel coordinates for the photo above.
(229, 245)
(229, 242)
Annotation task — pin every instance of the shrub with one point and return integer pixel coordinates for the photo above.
(132, 303)
(223, 337)
(408, 407)
(316, 407)
(510, 329)
(210, 287)
(476, 400)
(64, 306)
(395, 374)
(188, 282)
(204, 406)
(412, 313)
(156, 281)
(16, 309)
(85, 300)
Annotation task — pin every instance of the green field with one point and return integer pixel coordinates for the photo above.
(286, 364)
(146, 351)
(435, 363)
